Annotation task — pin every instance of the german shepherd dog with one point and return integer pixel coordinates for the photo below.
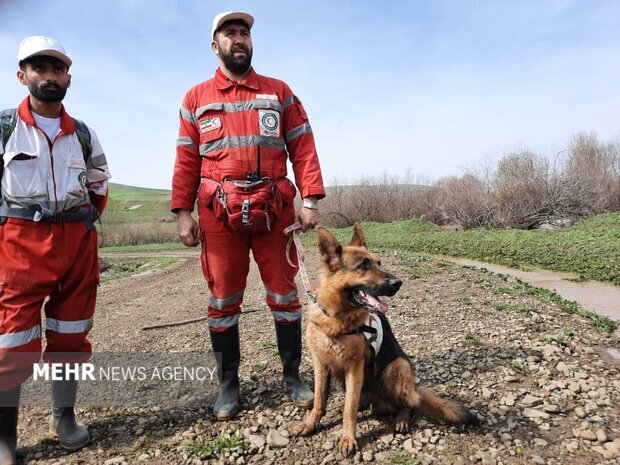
(350, 283)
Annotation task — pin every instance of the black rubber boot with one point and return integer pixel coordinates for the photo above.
(71, 435)
(9, 408)
(289, 346)
(226, 347)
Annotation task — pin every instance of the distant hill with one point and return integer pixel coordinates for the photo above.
(121, 192)
(130, 204)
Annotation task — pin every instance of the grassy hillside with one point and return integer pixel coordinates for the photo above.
(590, 248)
(137, 215)
(122, 192)
(128, 204)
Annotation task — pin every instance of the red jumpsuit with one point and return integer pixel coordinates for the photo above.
(40, 260)
(222, 123)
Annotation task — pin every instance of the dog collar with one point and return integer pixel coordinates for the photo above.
(361, 329)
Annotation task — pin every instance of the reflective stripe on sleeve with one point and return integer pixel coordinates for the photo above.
(288, 102)
(68, 327)
(298, 131)
(97, 161)
(243, 141)
(21, 338)
(185, 141)
(187, 115)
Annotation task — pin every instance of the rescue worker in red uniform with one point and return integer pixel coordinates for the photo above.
(53, 186)
(232, 125)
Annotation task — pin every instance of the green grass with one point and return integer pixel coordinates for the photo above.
(259, 367)
(122, 267)
(203, 448)
(128, 204)
(401, 458)
(590, 248)
(145, 248)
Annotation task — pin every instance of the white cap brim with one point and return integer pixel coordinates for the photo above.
(42, 46)
(228, 16)
(52, 53)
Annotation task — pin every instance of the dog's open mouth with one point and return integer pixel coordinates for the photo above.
(369, 301)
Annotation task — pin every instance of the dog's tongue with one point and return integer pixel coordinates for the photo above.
(374, 303)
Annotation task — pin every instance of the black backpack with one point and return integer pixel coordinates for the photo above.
(8, 120)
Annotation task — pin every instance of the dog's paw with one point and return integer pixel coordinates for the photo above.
(401, 425)
(303, 429)
(348, 445)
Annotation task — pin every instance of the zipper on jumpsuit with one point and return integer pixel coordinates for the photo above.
(50, 145)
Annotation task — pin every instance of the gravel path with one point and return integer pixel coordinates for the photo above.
(540, 379)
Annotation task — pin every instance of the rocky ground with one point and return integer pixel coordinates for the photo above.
(542, 381)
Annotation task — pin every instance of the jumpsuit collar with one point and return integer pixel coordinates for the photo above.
(67, 126)
(222, 82)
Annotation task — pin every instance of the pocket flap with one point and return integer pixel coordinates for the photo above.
(8, 156)
(216, 106)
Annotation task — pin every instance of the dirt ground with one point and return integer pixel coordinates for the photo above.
(540, 379)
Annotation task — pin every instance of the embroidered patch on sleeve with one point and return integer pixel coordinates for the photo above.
(269, 123)
(210, 124)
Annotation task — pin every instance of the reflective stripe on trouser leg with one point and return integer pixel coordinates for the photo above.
(225, 264)
(269, 250)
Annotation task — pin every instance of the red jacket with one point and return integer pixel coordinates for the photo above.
(222, 124)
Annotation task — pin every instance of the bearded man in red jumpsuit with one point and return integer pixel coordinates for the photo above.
(232, 125)
(54, 185)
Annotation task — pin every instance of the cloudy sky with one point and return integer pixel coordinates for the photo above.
(432, 87)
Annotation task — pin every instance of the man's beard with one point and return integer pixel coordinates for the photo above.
(237, 65)
(48, 93)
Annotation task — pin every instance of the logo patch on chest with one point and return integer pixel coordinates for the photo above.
(210, 124)
(269, 123)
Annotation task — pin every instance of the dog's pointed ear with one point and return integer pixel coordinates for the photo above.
(358, 239)
(329, 247)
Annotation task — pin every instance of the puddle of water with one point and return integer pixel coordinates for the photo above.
(601, 298)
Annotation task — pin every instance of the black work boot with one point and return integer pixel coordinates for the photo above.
(71, 435)
(289, 346)
(9, 407)
(226, 347)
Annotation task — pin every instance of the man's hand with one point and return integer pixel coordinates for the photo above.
(187, 228)
(309, 217)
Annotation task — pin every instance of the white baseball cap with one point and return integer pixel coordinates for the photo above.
(42, 46)
(230, 15)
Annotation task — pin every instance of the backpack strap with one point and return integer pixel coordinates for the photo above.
(8, 120)
(83, 135)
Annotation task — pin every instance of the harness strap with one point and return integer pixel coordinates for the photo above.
(294, 231)
(361, 329)
(40, 214)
